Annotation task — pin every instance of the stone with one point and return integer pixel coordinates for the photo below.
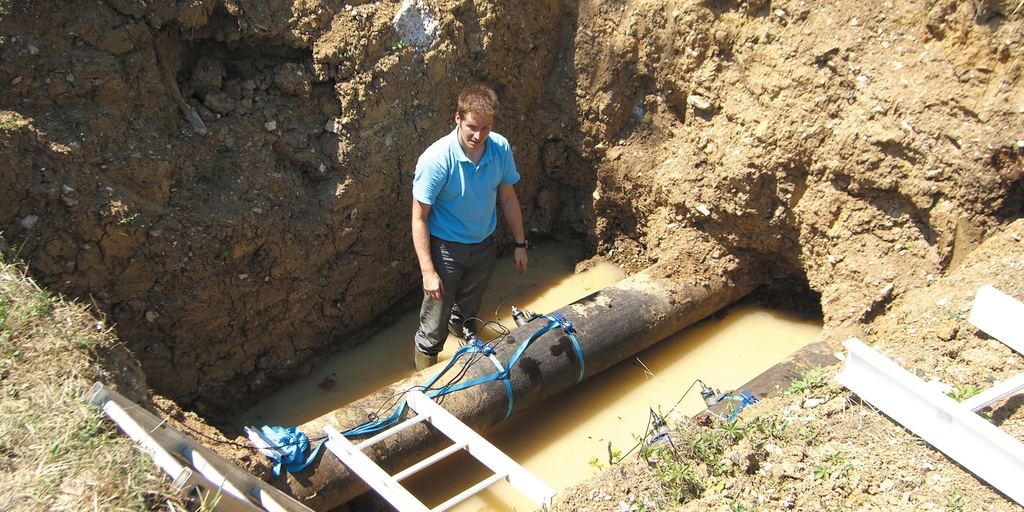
(699, 102)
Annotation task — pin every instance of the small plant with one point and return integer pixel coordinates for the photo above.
(676, 477)
(594, 461)
(956, 501)
(822, 472)
(733, 429)
(124, 220)
(737, 507)
(955, 315)
(834, 467)
(11, 122)
(613, 454)
(810, 379)
(808, 434)
(398, 46)
(963, 391)
(639, 504)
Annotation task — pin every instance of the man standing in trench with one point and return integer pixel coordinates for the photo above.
(459, 181)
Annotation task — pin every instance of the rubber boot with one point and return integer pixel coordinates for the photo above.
(424, 360)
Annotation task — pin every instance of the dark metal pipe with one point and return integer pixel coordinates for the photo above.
(611, 325)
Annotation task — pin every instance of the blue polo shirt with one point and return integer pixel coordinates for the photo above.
(463, 195)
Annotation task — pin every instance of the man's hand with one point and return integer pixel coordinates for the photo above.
(432, 285)
(421, 241)
(514, 216)
(519, 259)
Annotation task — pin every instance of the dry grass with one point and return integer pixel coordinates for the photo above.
(57, 452)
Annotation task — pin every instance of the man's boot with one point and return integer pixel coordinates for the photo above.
(424, 360)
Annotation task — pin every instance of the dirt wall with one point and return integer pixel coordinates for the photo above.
(863, 147)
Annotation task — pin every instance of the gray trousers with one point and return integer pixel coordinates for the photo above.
(465, 270)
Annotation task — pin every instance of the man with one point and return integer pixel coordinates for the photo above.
(459, 181)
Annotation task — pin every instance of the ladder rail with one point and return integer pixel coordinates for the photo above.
(188, 461)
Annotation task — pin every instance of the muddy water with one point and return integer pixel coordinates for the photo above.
(563, 440)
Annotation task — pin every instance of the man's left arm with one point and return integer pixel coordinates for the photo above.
(514, 216)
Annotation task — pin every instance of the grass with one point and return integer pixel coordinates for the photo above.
(10, 120)
(702, 461)
(964, 391)
(811, 379)
(57, 452)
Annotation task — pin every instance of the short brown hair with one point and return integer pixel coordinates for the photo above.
(478, 99)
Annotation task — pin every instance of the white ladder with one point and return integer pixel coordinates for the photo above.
(191, 465)
(951, 427)
(463, 437)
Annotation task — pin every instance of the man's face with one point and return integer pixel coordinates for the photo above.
(473, 129)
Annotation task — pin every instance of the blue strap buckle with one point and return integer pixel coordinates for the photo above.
(486, 348)
(564, 322)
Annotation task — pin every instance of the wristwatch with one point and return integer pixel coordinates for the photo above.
(524, 245)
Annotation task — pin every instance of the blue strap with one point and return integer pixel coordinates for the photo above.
(556, 320)
(284, 446)
(745, 398)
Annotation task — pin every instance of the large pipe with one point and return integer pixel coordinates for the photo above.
(611, 325)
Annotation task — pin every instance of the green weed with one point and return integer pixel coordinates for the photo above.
(956, 501)
(811, 379)
(963, 391)
(737, 507)
(955, 315)
(733, 429)
(834, 467)
(9, 124)
(398, 46)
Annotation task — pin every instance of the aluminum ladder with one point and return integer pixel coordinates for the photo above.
(953, 428)
(221, 485)
(463, 437)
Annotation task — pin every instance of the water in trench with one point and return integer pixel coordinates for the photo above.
(563, 439)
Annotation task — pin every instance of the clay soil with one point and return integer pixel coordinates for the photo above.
(227, 182)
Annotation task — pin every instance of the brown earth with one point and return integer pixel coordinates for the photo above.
(863, 148)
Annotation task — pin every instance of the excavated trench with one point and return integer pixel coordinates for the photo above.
(233, 260)
(227, 181)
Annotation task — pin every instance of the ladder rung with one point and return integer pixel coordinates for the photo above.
(360, 464)
(997, 392)
(462, 496)
(423, 464)
(415, 420)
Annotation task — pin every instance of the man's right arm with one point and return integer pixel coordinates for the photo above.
(421, 241)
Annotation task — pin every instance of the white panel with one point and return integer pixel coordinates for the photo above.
(993, 455)
(1000, 316)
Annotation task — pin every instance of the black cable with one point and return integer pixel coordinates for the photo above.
(647, 430)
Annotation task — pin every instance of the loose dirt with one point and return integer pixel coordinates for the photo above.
(226, 179)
